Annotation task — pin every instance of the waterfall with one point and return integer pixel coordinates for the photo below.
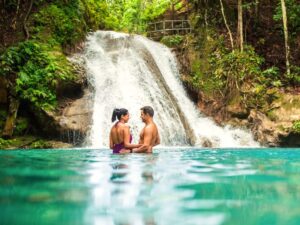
(131, 71)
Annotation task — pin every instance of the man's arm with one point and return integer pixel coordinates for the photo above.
(148, 132)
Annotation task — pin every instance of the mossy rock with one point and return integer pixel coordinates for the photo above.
(296, 127)
(40, 144)
(17, 142)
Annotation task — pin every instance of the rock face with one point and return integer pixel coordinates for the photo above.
(264, 130)
(271, 129)
(75, 120)
(71, 121)
(285, 111)
(69, 124)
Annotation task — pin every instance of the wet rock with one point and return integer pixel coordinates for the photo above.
(263, 129)
(206, 143)
(70, 123)
(59, 144)
(273, 133)
(235, 110)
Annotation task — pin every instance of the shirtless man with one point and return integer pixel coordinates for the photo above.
(149, 136)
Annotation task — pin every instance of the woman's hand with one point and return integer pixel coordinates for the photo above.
(124, 151)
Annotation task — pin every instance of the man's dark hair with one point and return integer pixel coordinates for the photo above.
(148, 110)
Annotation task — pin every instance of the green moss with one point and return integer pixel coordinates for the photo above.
(39, 144)
(16, 142)
(25, 142)
(271, 115)
(296, 126)
(5, 143)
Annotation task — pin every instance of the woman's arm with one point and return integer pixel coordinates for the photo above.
(127, 143)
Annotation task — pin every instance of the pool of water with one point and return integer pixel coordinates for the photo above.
(171, 186)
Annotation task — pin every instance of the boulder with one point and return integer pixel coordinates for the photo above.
(274, 133)
(263, 129)
(71, 122)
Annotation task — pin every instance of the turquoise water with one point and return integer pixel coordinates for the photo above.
(172, 186)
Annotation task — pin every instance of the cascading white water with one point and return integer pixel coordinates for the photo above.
(129, 71)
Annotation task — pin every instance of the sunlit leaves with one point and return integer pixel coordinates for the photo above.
(37, 70)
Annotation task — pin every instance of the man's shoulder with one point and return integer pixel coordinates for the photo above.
(150, 127)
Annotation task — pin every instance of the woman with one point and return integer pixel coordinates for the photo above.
(120, 137)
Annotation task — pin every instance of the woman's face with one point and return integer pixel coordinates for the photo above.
(126, 117)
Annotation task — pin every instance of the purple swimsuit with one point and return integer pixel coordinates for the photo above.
(118, 147)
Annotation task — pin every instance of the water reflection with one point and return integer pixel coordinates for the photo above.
(119, 189)
(171, 186)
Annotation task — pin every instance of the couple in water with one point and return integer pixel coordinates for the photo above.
(120, 137)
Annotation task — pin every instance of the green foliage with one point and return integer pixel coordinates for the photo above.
(202, 79)
(133, 15)
(234, 74)
(22, 125)
(172, 41)
(95, 13)
(37, 68)
(296, 126)
(4, 143)
(235, 67)
(293, 14)
(240, 74)
(294, 77)
(64, 23)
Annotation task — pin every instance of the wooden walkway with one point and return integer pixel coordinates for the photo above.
(163, 28)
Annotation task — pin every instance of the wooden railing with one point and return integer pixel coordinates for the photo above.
(168, 27)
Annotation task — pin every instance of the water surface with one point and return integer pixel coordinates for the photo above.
(171, 186)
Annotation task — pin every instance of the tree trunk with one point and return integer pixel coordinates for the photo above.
(205, 14)
(11, 117)
(226, 24)
(286, 37)
(14, 21)
(25, 20)
(256, 8)
(240, 25)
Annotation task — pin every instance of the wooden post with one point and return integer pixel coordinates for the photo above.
(172, 32)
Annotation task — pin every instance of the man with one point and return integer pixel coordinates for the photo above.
(149, 136)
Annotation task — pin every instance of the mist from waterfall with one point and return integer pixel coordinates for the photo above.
(131, 71)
